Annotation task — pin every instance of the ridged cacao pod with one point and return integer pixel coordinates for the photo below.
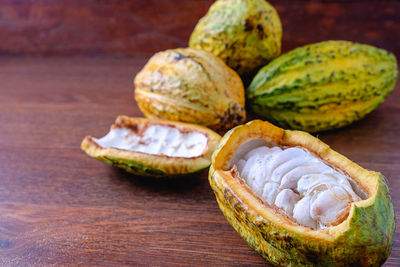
(246, 34)
(190, 85)
(323, 86)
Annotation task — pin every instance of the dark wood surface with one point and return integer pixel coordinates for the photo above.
(59, 207)
(47, 27)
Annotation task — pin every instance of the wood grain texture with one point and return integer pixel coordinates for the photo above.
(44, 27)
(58, 207)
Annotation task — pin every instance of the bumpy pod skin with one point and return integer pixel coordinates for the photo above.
(363, 239)
(323, 86)
(144, 164)
(246, 34)
(191, 85)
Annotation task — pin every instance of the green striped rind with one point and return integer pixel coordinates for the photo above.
(246, 34)
(138, 168)
(131, 166)
(367, 242)
(371, 229)
(323, 86)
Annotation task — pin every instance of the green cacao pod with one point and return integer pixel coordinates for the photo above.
(246, 34)
(362, 235)
(323, 86)
(156, 148)
(191, 85)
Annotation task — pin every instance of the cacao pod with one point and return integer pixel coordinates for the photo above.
(361, 236)
(190, 85)
(156, 148)
(246, 34)
(323, 86)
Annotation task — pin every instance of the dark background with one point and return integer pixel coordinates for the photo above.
(66, 71)
(48, 27)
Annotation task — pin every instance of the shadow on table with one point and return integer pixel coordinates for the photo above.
(188, 184)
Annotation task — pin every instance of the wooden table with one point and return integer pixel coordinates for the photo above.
(60, 207)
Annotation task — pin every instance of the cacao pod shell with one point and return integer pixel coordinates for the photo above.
(364, 238)
(116, 149)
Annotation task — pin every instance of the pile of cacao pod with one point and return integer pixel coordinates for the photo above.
(292, 198)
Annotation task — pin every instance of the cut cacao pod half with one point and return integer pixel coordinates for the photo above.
(299, 203)
(154, 147)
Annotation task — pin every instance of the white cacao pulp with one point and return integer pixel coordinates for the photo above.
(313, 193)
(156, 139)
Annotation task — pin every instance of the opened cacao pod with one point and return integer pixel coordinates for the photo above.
(154, 147)
(299, 203)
